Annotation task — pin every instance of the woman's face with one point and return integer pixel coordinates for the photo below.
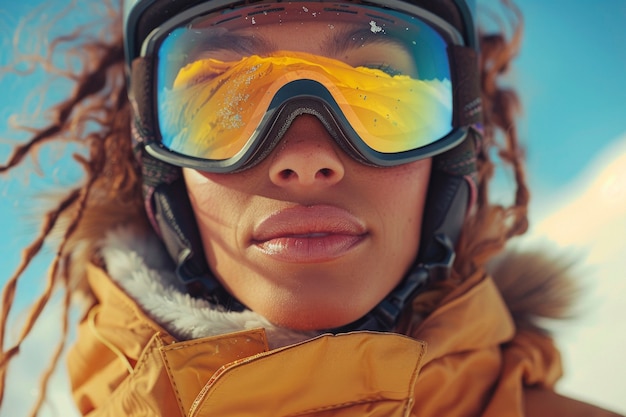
(309, 238)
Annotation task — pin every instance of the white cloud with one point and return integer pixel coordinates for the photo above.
(595, 208)
(589, 220)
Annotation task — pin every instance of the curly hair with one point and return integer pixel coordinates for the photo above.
(491, 225)
(110, 192)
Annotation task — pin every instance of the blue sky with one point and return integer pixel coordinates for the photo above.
(570, 75)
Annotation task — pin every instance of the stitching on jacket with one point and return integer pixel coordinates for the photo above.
(212, 339)
(344, 405)
(202, 398)
(168, 369)
(411, 394)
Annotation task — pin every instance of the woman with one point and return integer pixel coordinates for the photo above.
(288, 214)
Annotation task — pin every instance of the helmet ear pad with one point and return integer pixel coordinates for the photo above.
(451, 194)
(445, 211)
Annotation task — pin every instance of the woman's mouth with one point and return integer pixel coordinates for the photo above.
(308, 234)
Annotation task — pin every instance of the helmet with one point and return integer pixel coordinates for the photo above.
(452, 183)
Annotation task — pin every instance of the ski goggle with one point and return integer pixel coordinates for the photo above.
(225, 85)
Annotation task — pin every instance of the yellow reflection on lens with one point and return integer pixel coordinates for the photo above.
(214, 107)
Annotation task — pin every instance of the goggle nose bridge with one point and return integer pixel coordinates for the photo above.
(285, 113)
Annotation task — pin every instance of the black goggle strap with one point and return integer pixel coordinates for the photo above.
(467, 94)
(465, 81)
(141, 90)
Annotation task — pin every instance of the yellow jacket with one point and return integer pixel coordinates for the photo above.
(465, 359)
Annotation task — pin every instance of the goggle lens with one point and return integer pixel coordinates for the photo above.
(387, 75)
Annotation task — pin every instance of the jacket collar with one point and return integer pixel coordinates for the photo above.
(352, 373)
(127, 339)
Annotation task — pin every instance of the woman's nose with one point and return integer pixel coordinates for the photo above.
(306, 157)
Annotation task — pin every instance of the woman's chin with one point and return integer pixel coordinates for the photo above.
(319, 318)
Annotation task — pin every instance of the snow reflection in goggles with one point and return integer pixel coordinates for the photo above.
(383, 76)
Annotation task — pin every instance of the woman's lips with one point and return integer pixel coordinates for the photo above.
(308, 234)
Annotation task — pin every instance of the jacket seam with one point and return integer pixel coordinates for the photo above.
(172, 382)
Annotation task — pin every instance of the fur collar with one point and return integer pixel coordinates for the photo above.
(538, 284)
(140, 265)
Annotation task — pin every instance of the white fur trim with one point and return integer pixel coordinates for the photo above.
(143, 269)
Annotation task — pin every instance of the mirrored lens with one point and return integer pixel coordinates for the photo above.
(387, 72)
